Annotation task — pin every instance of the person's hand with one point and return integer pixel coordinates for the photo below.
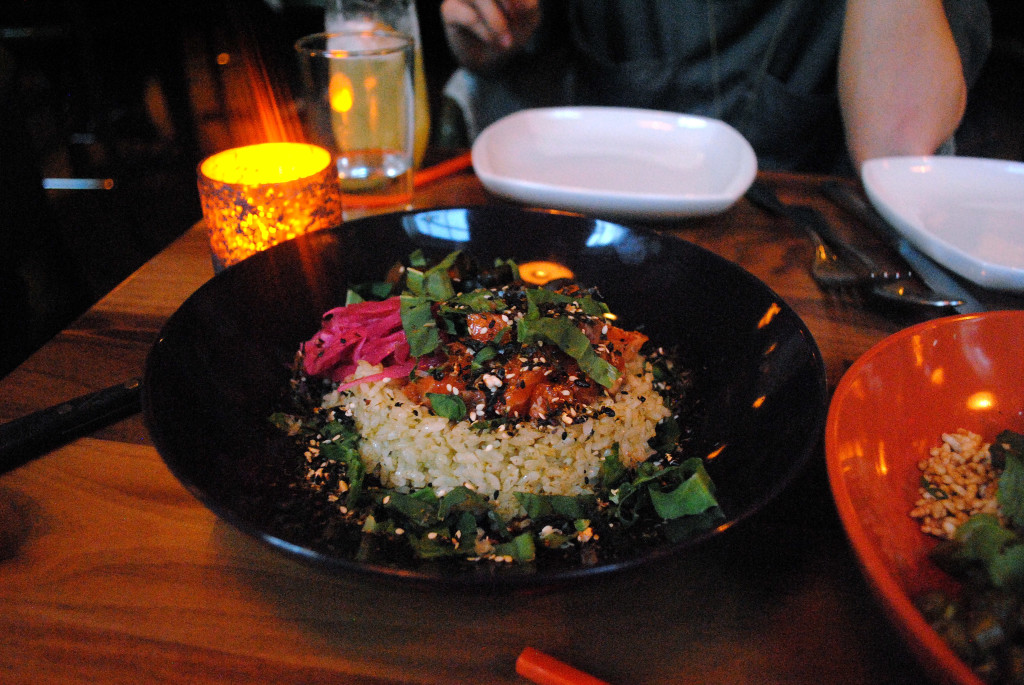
(483, 33)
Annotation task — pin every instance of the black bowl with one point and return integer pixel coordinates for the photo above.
(222, 361)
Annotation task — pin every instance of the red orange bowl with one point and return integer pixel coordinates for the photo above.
(890, 407)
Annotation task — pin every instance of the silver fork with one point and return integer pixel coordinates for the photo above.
(836, 276)
(815, 225)
(828, 270)
(833, 271)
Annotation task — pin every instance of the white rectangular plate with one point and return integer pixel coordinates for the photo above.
(966, 213)
(615, 162)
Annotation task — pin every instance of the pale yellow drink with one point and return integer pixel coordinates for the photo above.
(370, 95)
(422, 133)
(358, 15)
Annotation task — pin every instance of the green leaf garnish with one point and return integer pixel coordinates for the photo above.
(521, 548)
(417, 259)
(666, 435)
(374, 291)
(586, 304)
(485, 354)
(345, 451)
(419, 511)
(434, 283)
(461, 499)
(682, 494)
(571, 340)
(564, 506)
(982, 540)
(450, 407)
(611, 471)
(476, 301)
(1009, 448)
(419, 326)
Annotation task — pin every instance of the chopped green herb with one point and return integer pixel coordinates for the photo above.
(420, 511)
(685, 490)
(666, 435)
(521, 548)
(587, 304)
(572, 341)
(562, 506)
(1009, 448)
(485, 354)
(418, 323)
(612, 471)
(450, 407)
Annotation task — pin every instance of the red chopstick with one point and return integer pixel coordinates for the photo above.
(442, 169)
(542, 669)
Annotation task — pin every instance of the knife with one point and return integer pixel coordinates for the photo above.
(22, 440)
(934, 276)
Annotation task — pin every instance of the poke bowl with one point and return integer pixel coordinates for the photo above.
(895, 411)
(755, 398)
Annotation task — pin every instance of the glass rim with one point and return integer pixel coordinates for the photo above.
(315, 44)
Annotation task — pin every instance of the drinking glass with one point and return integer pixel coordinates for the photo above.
(391, 15)
(359, 105)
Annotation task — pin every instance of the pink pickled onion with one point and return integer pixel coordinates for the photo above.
(365, 331)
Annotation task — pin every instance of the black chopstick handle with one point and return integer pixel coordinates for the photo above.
(24, 439)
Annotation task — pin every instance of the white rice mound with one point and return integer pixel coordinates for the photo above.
(409, 448)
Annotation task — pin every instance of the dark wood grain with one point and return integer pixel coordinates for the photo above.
(111, 572)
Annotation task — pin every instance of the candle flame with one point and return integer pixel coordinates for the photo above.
(266, 163)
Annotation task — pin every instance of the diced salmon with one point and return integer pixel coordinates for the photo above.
(486, 326)
(417, 389)
(550, 398)
(519, 386)
(623, 346)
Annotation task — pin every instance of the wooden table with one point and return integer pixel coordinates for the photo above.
(110, 572)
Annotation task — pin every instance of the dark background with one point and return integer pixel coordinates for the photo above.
(139, 92)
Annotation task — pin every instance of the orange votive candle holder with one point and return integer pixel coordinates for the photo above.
(257, 196)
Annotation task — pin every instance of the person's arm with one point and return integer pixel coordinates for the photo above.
(901, 83)
(482, 34)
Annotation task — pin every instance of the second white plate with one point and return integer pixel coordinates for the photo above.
(616, 162)
(966, 213)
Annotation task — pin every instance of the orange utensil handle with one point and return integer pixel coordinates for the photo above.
(445, 168)
(547, 670)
